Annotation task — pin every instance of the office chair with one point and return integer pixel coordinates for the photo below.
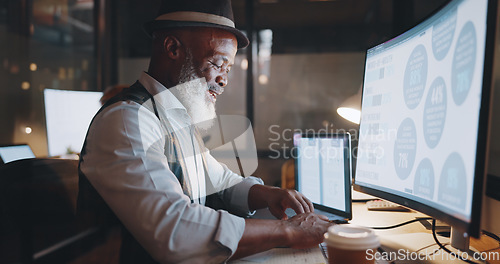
(38, 204)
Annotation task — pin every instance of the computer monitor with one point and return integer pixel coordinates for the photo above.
(11, 153)
(67, 117)
(425, 109)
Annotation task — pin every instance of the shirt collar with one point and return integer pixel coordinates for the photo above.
(161, 94)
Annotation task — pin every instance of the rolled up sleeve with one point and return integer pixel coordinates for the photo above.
(230, 235)
(232, 187)
(237, 196)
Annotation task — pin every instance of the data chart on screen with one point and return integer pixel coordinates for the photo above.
(420, 110)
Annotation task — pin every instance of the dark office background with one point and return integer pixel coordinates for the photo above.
(306, 59)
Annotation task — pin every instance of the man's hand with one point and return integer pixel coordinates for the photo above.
(306, 230)
(278, 200)
(301, 231)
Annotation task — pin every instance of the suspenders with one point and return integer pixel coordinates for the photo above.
(137, 93)
(92, 209)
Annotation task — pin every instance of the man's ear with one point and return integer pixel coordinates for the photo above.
(172, 47)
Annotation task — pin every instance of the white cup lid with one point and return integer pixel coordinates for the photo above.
(350, 237)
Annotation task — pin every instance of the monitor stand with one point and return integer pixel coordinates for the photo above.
(459, 240)
(419, 248)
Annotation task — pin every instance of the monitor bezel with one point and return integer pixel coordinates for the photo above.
(347, 214)
(473, 227)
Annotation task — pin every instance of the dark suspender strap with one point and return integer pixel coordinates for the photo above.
(136, 93)
(89, 201)
(92, 207)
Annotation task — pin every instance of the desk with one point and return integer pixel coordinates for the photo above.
(363, 217)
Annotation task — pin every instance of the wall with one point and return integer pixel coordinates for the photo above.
(303, 92)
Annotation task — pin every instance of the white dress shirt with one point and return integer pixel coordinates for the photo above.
(126, 162)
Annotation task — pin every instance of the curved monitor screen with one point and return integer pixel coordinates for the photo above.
(421, 110)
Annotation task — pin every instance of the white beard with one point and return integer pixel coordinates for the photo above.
(192, 92)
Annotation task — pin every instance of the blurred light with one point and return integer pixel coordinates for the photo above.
(266, 44)
(350, 114)
(71, 73)
(25, 85)
(14, 69)
(244, 64)
(33, 67)
(62, 73)
(84, 86)
(263, 79)
(350, 109)
(28, 130)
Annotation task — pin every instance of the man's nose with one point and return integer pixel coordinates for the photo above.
(221, 80)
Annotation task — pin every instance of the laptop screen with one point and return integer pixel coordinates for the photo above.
(17, 152)
(323, 171)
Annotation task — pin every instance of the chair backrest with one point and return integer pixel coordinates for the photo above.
(38, 205)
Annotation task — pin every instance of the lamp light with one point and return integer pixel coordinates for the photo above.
(350, 109)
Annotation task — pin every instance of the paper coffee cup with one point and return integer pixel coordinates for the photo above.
(349, 244)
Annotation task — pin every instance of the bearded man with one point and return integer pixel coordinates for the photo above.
(144, 162)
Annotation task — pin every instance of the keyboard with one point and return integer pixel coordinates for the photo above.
(324, 251)
(383, 205)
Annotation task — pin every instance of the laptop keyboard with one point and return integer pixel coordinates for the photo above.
(322, 246)
(333, 218)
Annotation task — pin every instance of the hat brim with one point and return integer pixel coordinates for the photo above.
(151, 26)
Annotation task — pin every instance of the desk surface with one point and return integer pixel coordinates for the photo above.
(363, 217)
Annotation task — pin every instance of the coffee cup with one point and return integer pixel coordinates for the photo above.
(349, 244)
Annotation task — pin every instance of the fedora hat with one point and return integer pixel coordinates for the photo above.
(196, 13)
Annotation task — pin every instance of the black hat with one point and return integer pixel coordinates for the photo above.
(196, 13)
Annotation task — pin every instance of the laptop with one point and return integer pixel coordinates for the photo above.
(11, 153)
(323, 173)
